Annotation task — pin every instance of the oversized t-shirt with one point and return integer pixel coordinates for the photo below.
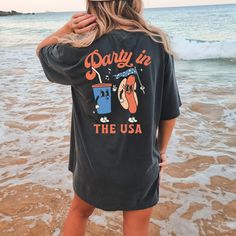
(122, 85)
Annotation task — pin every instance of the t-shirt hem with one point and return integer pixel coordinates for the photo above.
(115, 208)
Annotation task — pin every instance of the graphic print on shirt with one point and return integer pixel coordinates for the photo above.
(102, 96)
(126, 90)
(127, 95)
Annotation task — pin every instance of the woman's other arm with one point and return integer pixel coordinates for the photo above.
(164, 134)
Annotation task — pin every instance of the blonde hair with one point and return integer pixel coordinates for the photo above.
(113, 14)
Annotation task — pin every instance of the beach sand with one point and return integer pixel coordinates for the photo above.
(197, 193)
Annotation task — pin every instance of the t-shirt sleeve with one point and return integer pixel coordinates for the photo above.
(56, 62)
(171, 100)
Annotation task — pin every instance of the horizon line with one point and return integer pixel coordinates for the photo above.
(199, 5)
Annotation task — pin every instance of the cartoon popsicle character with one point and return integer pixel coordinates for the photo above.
(102, 96)
(127, 96)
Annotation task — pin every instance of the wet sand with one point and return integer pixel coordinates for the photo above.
(197, 194)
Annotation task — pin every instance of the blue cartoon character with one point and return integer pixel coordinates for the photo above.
(102, 96)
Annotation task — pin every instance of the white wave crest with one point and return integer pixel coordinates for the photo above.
(190, 49)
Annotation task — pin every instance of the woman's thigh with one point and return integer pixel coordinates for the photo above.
(81, 207)
(136, 222)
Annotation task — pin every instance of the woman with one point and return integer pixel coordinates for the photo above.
(121, 73)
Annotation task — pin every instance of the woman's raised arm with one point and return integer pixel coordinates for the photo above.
(80, 23)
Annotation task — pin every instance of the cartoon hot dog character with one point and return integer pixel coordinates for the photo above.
(127, 95)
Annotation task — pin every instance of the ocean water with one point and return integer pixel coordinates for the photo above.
(35, 116)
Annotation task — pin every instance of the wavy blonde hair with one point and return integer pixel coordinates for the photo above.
(113, 14)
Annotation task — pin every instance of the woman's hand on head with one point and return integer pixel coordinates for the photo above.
(82, 22)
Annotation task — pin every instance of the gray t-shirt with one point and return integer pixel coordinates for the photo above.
(122, 85)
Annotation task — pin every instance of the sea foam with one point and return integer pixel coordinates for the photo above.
(191, 49)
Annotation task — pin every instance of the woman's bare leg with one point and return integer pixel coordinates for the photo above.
(136, 222)
(75, 223)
